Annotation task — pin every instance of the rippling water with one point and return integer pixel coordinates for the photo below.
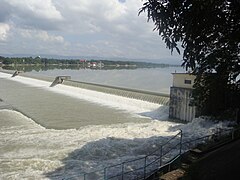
(70, 130)
(94, 129)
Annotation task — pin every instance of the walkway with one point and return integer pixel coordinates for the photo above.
(220, 164)
(223, 163)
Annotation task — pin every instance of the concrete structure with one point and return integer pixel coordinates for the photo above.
(17, 73)
(59, 80)
(181, 96)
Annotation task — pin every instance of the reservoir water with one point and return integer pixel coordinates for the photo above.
(150, 79)
(59, 132)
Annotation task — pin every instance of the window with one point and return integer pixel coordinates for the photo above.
(186, 81)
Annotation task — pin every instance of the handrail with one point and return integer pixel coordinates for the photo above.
(218, 134)
(124, 172)
(209, 136)
(159, 157)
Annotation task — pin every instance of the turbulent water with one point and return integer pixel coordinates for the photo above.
(72, 130)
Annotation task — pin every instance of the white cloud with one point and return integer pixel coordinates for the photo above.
(88, 16)
(37, 14)
(104, 28)
(37, 8)
(39, 35)
(4, 29)
(115, 11)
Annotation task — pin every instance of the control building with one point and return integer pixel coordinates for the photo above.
(181, 96)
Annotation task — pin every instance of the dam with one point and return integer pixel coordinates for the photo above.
(159, 98)
(61, 131)
(152, 97)
(52, 125)
(75, 104)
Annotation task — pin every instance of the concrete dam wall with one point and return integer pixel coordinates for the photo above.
(153, 97)
(158, 98)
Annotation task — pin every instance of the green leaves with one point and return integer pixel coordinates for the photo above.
(209, 33)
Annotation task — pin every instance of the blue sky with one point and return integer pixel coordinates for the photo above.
(106, 28)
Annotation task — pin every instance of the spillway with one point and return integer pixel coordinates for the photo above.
(153, 97)
(67, 106)
(125, 92)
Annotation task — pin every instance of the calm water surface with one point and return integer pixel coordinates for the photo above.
(150, 79)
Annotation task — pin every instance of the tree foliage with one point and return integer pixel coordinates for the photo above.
(208, 31)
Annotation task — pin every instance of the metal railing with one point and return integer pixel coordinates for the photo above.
(142, 167)
(164, 156)
(158, 160)
(220, 136)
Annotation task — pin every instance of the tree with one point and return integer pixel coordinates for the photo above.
(209, 33)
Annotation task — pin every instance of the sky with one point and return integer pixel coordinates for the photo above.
(103, 28)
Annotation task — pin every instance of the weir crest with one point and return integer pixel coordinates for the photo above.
(152, 97)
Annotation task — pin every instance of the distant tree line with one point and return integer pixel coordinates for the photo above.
(36, 60)
(46, 61)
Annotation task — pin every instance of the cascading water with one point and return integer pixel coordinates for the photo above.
(158, 98)
(95, 129)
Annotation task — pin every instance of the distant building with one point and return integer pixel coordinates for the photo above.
(180, 106)
(82, 61)
(89, 65)
(94, 64)
(100, 64)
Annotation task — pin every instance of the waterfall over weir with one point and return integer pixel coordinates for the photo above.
(158, 98)
(125, 92)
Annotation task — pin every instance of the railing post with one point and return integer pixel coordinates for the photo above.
(219, 133)
(180, 150)
(145, 163)
(122, 170)
(232, 134)
(169, 167)
(160, 160)
(105, 173)
(84, 176)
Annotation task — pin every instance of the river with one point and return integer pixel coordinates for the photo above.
(59, 132)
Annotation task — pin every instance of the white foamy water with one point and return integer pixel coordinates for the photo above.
(133, 106)
(30, 151)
